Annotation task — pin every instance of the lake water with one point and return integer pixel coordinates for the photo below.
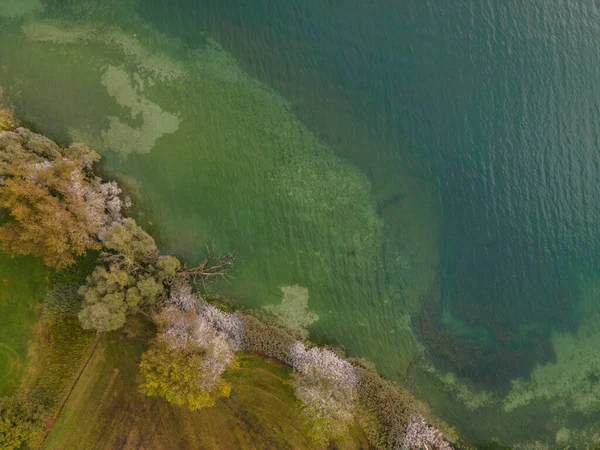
(426, 175)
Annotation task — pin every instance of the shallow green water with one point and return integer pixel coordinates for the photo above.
(427, 175)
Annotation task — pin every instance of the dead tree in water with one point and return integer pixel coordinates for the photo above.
(211, 268)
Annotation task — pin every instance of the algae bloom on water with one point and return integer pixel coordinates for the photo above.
(293, 310)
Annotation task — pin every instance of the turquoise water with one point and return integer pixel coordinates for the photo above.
(427, 174)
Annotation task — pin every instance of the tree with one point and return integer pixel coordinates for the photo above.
(186, 360)
(24, 146)
(52, 217)
(211, 268)
(327, 387)
(58, 206)
(21, 421)
(136, 278)
(133, 280)
(175, 376)
(132, 245)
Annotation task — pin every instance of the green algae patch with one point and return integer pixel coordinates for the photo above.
(471, 397)
(293, 311)
(155, 122)
(50, 31)
(156, 64)
(572, 381)
(261, 412)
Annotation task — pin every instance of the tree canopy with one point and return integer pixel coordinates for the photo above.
(57, 208)
(21, 418)
(186, 360)
(49, 212)
(132, 281)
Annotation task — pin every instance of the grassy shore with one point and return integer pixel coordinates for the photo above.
(23, 283)
(105, 410)
(93, 388)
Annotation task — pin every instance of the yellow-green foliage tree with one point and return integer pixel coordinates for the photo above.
(186, 360)
(57, 207)
(21, 422)
(51, 215)
(134, 280)
(176, 376)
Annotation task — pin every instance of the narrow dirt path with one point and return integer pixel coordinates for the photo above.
(64, 400)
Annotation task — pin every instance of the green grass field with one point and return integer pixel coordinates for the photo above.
(23, 283)
(105, 410)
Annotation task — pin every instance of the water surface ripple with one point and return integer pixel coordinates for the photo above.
(426, 172)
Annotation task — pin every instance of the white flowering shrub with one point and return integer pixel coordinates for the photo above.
(327, 386)
(181, 296)
(228, 324)
(103, 203)
(113, 203)
(420, 436)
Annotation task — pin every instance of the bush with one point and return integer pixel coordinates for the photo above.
(266, 339)
(395, 408)
(21, 421)
(228, 324)
(419, 435)
(61, 302)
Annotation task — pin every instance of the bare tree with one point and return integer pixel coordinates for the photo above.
(211, 267)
